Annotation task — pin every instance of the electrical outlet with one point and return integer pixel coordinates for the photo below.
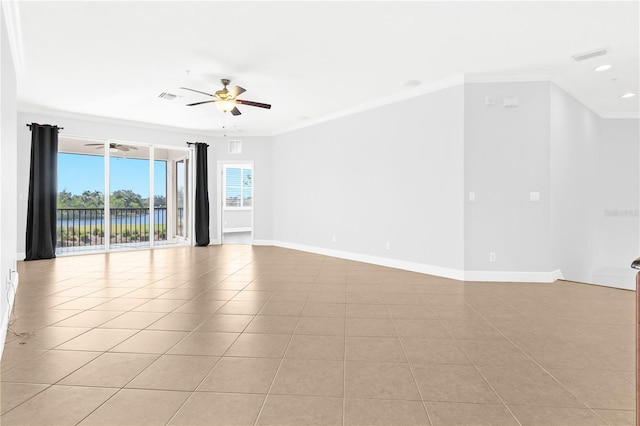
(492, 257)
(388, 245)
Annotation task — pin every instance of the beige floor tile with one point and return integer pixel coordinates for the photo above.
(374, 349)
(241, 308)
(309, 377)
(421, 328)
(366, 298)
(471, 330)
(618, 417)
(148, 293)
(452, 383)
(150, 342)
(433, 351)
(204, 343)
(450, 413)
(88, 319)
(456, 313)
(58, 405)
(555, 416)
(110, 370)
(98, 339)
(205, 408)
(49, 367)
(272, 324)
(12, 357)
(316, 347)
(14, 394)
(82, 303)
(134, 320)
(598, 389)
(174, 372)
(200, 306)
(412, 312)
(241, 375)
(325, 310)
(138, 407)
(179, 322)
(561, 355)
(252, 296)
(301, 410)
(282, 308)
(403, 299)
(380, 380)
(321, 326)
(223, 295)
(46, 338)
(384, 412)
(367, 311)
(259, 345)
(321, 296)
(226, 323)
(526, 384)
(160, 305)
(180, 293)
(493, 352)
(120, 304)
(370, 327)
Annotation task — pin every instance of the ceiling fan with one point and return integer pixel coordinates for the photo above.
(113, 147)
(226, 99)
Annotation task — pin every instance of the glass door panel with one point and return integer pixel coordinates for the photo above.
(129, 194)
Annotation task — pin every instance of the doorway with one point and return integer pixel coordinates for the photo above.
(236, 202)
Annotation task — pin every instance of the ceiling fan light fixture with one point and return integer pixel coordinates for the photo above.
(226, 105)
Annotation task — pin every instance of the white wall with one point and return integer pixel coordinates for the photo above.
(254, 148)
(392, 174)
(617, 225)
(506, 152)
(234, 219)
(8, 194)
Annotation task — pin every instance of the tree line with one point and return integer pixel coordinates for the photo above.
(118, 200)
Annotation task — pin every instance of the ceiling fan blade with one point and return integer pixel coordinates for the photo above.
(199, 103)
(132, 147)
(122, 148)
(235, 111)
(251, 103)
(236, 91)
(197, 91)
(94, 144)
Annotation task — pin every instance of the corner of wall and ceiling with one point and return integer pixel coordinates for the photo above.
(11, 13)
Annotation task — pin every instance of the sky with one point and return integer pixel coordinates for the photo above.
(78, 173)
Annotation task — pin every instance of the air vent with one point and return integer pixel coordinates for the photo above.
(235, 146)
(588, 55)
(167, 96)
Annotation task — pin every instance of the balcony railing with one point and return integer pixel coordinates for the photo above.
(85, 227)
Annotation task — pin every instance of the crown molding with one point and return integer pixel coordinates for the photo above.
(11, 13)
(387, 100)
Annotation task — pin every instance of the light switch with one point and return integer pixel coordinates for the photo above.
(472, 196)
(534, 196)
(510, 102)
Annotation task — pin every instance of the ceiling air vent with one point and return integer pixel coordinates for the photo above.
(591, 54)
(167, 96)
(235, 146)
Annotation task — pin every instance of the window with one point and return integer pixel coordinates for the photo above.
(238, 186)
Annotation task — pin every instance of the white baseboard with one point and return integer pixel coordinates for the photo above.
(21, 256)
(514, 276)
(456, 274)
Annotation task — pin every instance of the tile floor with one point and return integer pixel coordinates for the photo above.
(268, 336)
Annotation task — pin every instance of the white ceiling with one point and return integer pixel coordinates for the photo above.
(311, 60)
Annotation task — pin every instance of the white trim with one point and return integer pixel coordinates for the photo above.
(12, 19)
(514, 276)
(401, 96)
(20, 256)
(456, 274)
(4, 325)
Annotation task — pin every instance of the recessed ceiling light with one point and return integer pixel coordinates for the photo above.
(412, 83)
(627, 95)
(602, 67)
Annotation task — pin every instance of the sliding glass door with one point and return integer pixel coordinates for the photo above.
(148, 196)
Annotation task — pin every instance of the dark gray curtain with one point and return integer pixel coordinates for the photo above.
(202, 195)
(43, 193)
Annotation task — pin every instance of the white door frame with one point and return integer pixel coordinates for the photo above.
(220, 195)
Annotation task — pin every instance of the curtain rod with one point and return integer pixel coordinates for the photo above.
(59, 128)
(194, 143)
